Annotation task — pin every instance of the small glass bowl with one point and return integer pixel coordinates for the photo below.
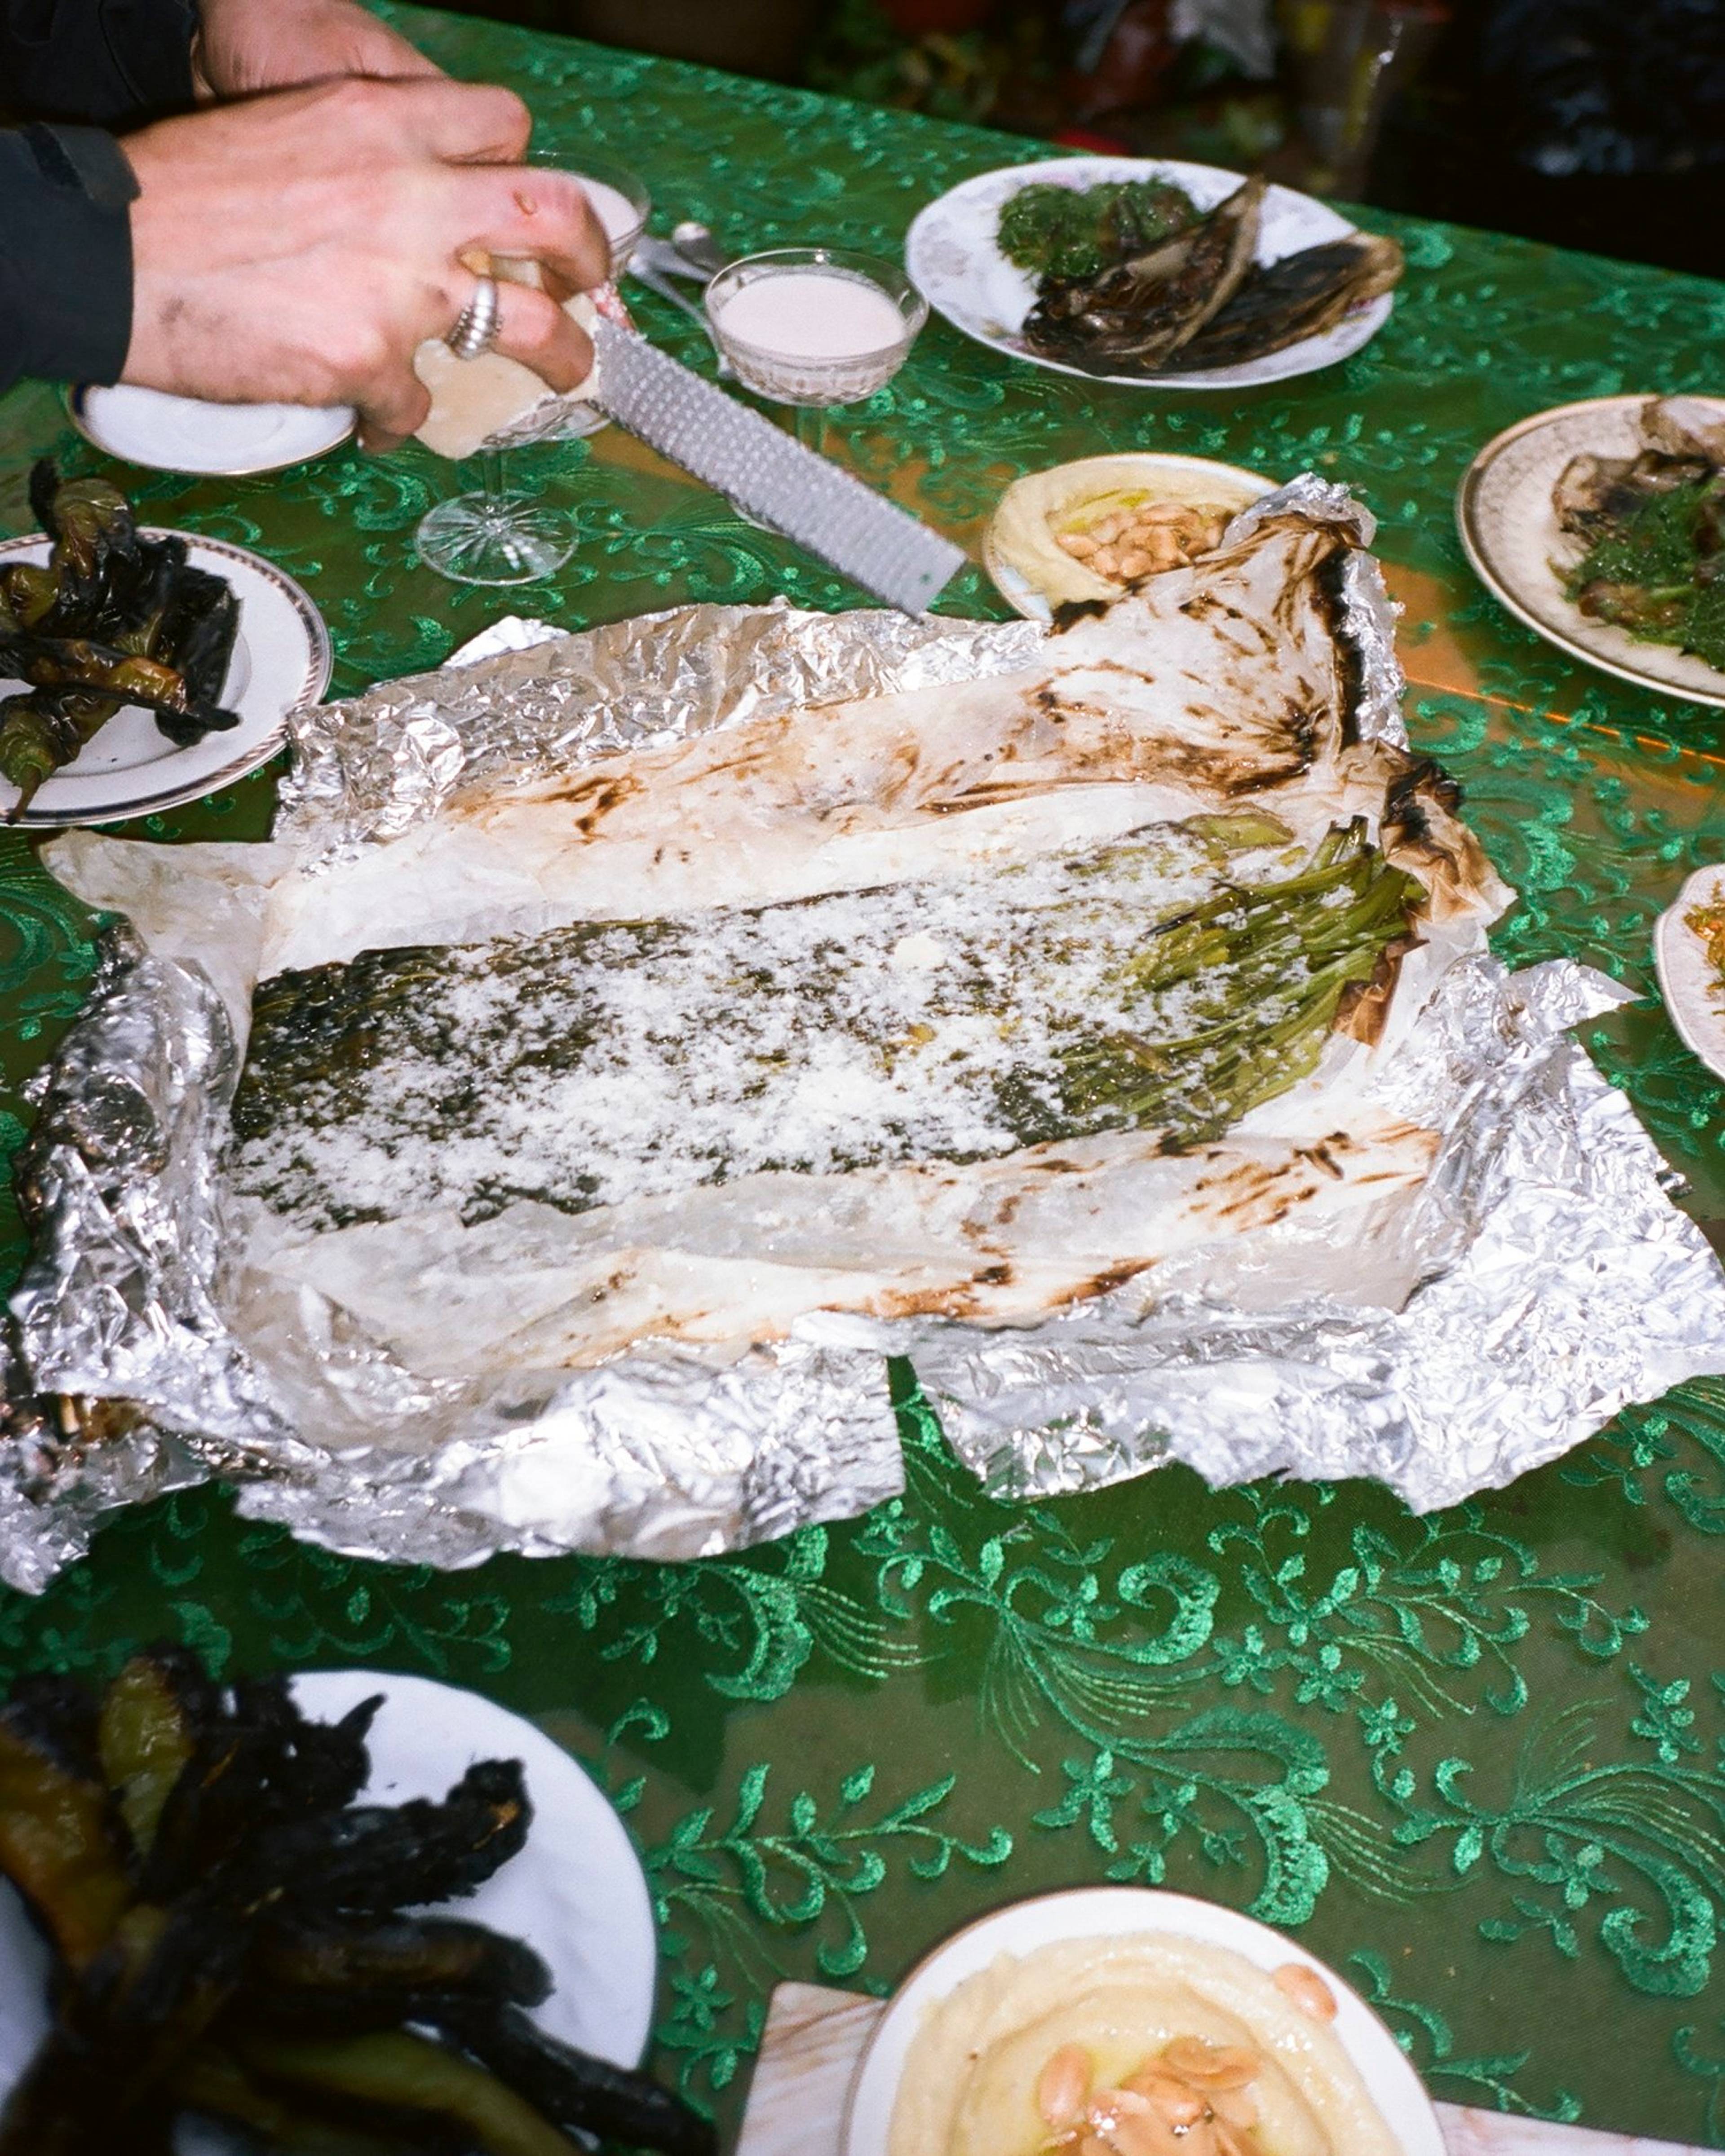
(621, 182)
(798, 378)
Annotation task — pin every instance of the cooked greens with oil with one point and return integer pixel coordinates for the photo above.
(1132, 279)
(1651, 528)
(1054, 231)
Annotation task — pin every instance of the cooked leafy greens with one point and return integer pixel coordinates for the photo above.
(1076, 232)
(1171, 980)
(1653, 529)
(1115, 295)
(1659, 573)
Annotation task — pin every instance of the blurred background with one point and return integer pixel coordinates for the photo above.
(1596, 124)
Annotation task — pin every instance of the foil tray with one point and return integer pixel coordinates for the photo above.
(1558, 1283)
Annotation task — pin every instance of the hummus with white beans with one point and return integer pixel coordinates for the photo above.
(1147, 2045)
(1089, 530)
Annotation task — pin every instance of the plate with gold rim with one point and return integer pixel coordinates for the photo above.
(281, 659)
(160, 432)
(1692, 985)
(1510, 533)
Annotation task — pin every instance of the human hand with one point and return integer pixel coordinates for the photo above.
(245, 46)
(298, 248)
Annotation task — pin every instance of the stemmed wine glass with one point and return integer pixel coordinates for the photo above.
(814, 326)
(495, 535)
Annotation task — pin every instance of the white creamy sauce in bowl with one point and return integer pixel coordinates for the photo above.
(811, 314)
(616, 212)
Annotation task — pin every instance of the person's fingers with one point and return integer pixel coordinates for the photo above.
(391, 408)
(524, 209)
(382, 51)
(400, 62)
(532, 328)
(468, 123)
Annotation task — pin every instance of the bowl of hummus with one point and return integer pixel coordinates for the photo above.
(1089, 530)
(1121, 2021)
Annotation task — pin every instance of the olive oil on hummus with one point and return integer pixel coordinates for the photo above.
(1151, 2045)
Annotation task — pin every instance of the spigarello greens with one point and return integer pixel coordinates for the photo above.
(1170, 981)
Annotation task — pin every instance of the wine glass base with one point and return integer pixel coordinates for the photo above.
(504, 539)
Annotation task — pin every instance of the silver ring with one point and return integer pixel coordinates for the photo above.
(476, 331)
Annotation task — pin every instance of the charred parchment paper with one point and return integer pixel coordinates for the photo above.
(1555, 1279)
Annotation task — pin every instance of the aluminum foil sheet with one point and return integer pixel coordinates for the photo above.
(1562, 1284)
(1558, 1281)
(374, 765)
(1367, 611)
(129, 1374)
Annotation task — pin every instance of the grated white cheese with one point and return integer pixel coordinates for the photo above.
(922, 1021)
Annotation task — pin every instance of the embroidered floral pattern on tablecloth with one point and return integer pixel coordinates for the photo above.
(1473, 1760)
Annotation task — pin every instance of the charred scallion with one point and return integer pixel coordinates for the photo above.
(1261, 975)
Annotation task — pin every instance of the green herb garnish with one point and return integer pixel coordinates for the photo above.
(1656, 573)
(1077, 232)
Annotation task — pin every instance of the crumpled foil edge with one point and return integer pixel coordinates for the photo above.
(161, 1395)
(1549, 1235)
(377, 765)
(1469, 1385)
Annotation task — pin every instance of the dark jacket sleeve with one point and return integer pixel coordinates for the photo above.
(65, 254)
(65, 232)
(114, 62)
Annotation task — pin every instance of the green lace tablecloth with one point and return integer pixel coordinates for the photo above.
(1474, 1760)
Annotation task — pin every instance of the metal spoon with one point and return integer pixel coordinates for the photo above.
(697, 246)
(645, 275)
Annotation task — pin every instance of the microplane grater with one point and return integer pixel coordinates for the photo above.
(765, 471)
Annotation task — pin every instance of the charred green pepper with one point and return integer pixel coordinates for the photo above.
(338, 1976)
(148, 1731)
(111, 619)
(212, 2081)
(81, 663)
(56, 1847)
(399, 2072)
(573, 2088)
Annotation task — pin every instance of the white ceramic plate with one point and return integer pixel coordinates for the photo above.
(952, 259)
(1504, 513)
(576, 1893)
(1114, 1912)
(1693, 993)
(1184, 478)
(281, 659)
(148, 427)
